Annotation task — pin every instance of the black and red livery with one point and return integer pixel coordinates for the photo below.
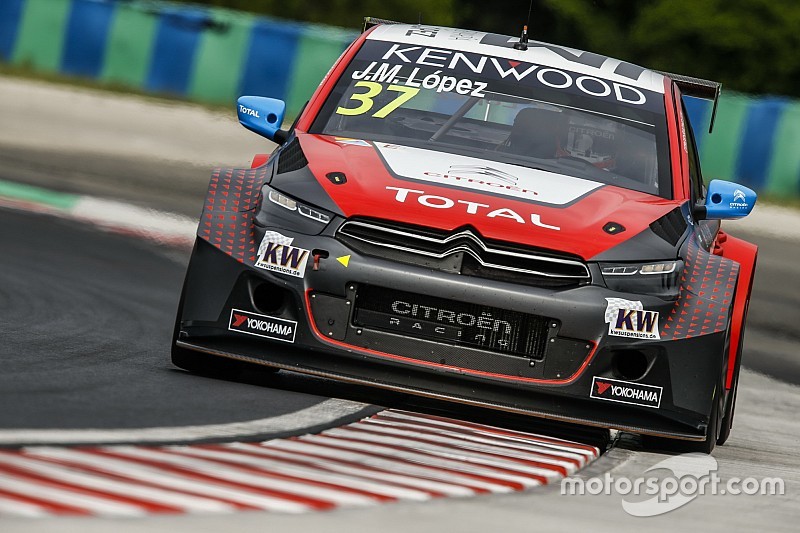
(405, 234)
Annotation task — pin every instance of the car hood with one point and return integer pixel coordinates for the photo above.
(501, 201)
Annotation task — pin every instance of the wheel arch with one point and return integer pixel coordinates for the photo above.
(746, 254)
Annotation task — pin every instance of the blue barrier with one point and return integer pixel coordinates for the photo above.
(85, 40)
(269, 61)
(10, 14)
(757, 141)
(176, 41)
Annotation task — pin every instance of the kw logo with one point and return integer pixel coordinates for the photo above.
(626, 318)
(277, 254)
(636, 321)
(285, 256)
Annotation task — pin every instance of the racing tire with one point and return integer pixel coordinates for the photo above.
(195, 362)
(726, 424)
(181, 357)
(716, 421)
(712, 432)
(208, 365)
(730, 405)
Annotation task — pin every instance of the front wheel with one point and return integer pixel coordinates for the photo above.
(209, 365)
(727, 419)
(726, 423)
(181, 357)
(202, 363)
(714, 419)
(730, 404)
(713, 430)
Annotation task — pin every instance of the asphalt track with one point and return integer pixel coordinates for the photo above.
(86, 317)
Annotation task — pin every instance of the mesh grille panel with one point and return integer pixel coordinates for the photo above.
(452, 322)
(292, 157)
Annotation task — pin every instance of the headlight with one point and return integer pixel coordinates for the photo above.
(278, 209)
(657, 278)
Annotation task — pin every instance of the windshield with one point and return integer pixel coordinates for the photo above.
(502, 110)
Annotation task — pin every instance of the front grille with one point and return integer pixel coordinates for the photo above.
(463, 252)
(452, 322)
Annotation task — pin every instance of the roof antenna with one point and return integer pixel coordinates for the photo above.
(420, 18)
(523, 38)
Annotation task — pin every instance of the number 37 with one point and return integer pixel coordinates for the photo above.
(373, 90)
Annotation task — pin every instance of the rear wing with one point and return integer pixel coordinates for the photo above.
(369, 22)
(698, 88)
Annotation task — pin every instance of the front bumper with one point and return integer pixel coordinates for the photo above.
(330, 338)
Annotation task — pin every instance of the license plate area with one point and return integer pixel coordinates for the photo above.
(453, 322)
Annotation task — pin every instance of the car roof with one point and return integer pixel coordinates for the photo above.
(540, 53)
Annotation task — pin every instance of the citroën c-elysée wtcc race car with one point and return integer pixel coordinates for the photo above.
(480, 219)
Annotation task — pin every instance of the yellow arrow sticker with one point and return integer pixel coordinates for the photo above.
(345, 260)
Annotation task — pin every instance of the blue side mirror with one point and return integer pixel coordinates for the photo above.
(726, 199)
(262, 115)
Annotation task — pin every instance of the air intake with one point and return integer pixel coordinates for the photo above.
(291, 157)
(671, 226)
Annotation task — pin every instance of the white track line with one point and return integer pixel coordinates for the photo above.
(319, 414)
(160, 226)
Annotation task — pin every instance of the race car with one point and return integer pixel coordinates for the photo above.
(487, 220)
